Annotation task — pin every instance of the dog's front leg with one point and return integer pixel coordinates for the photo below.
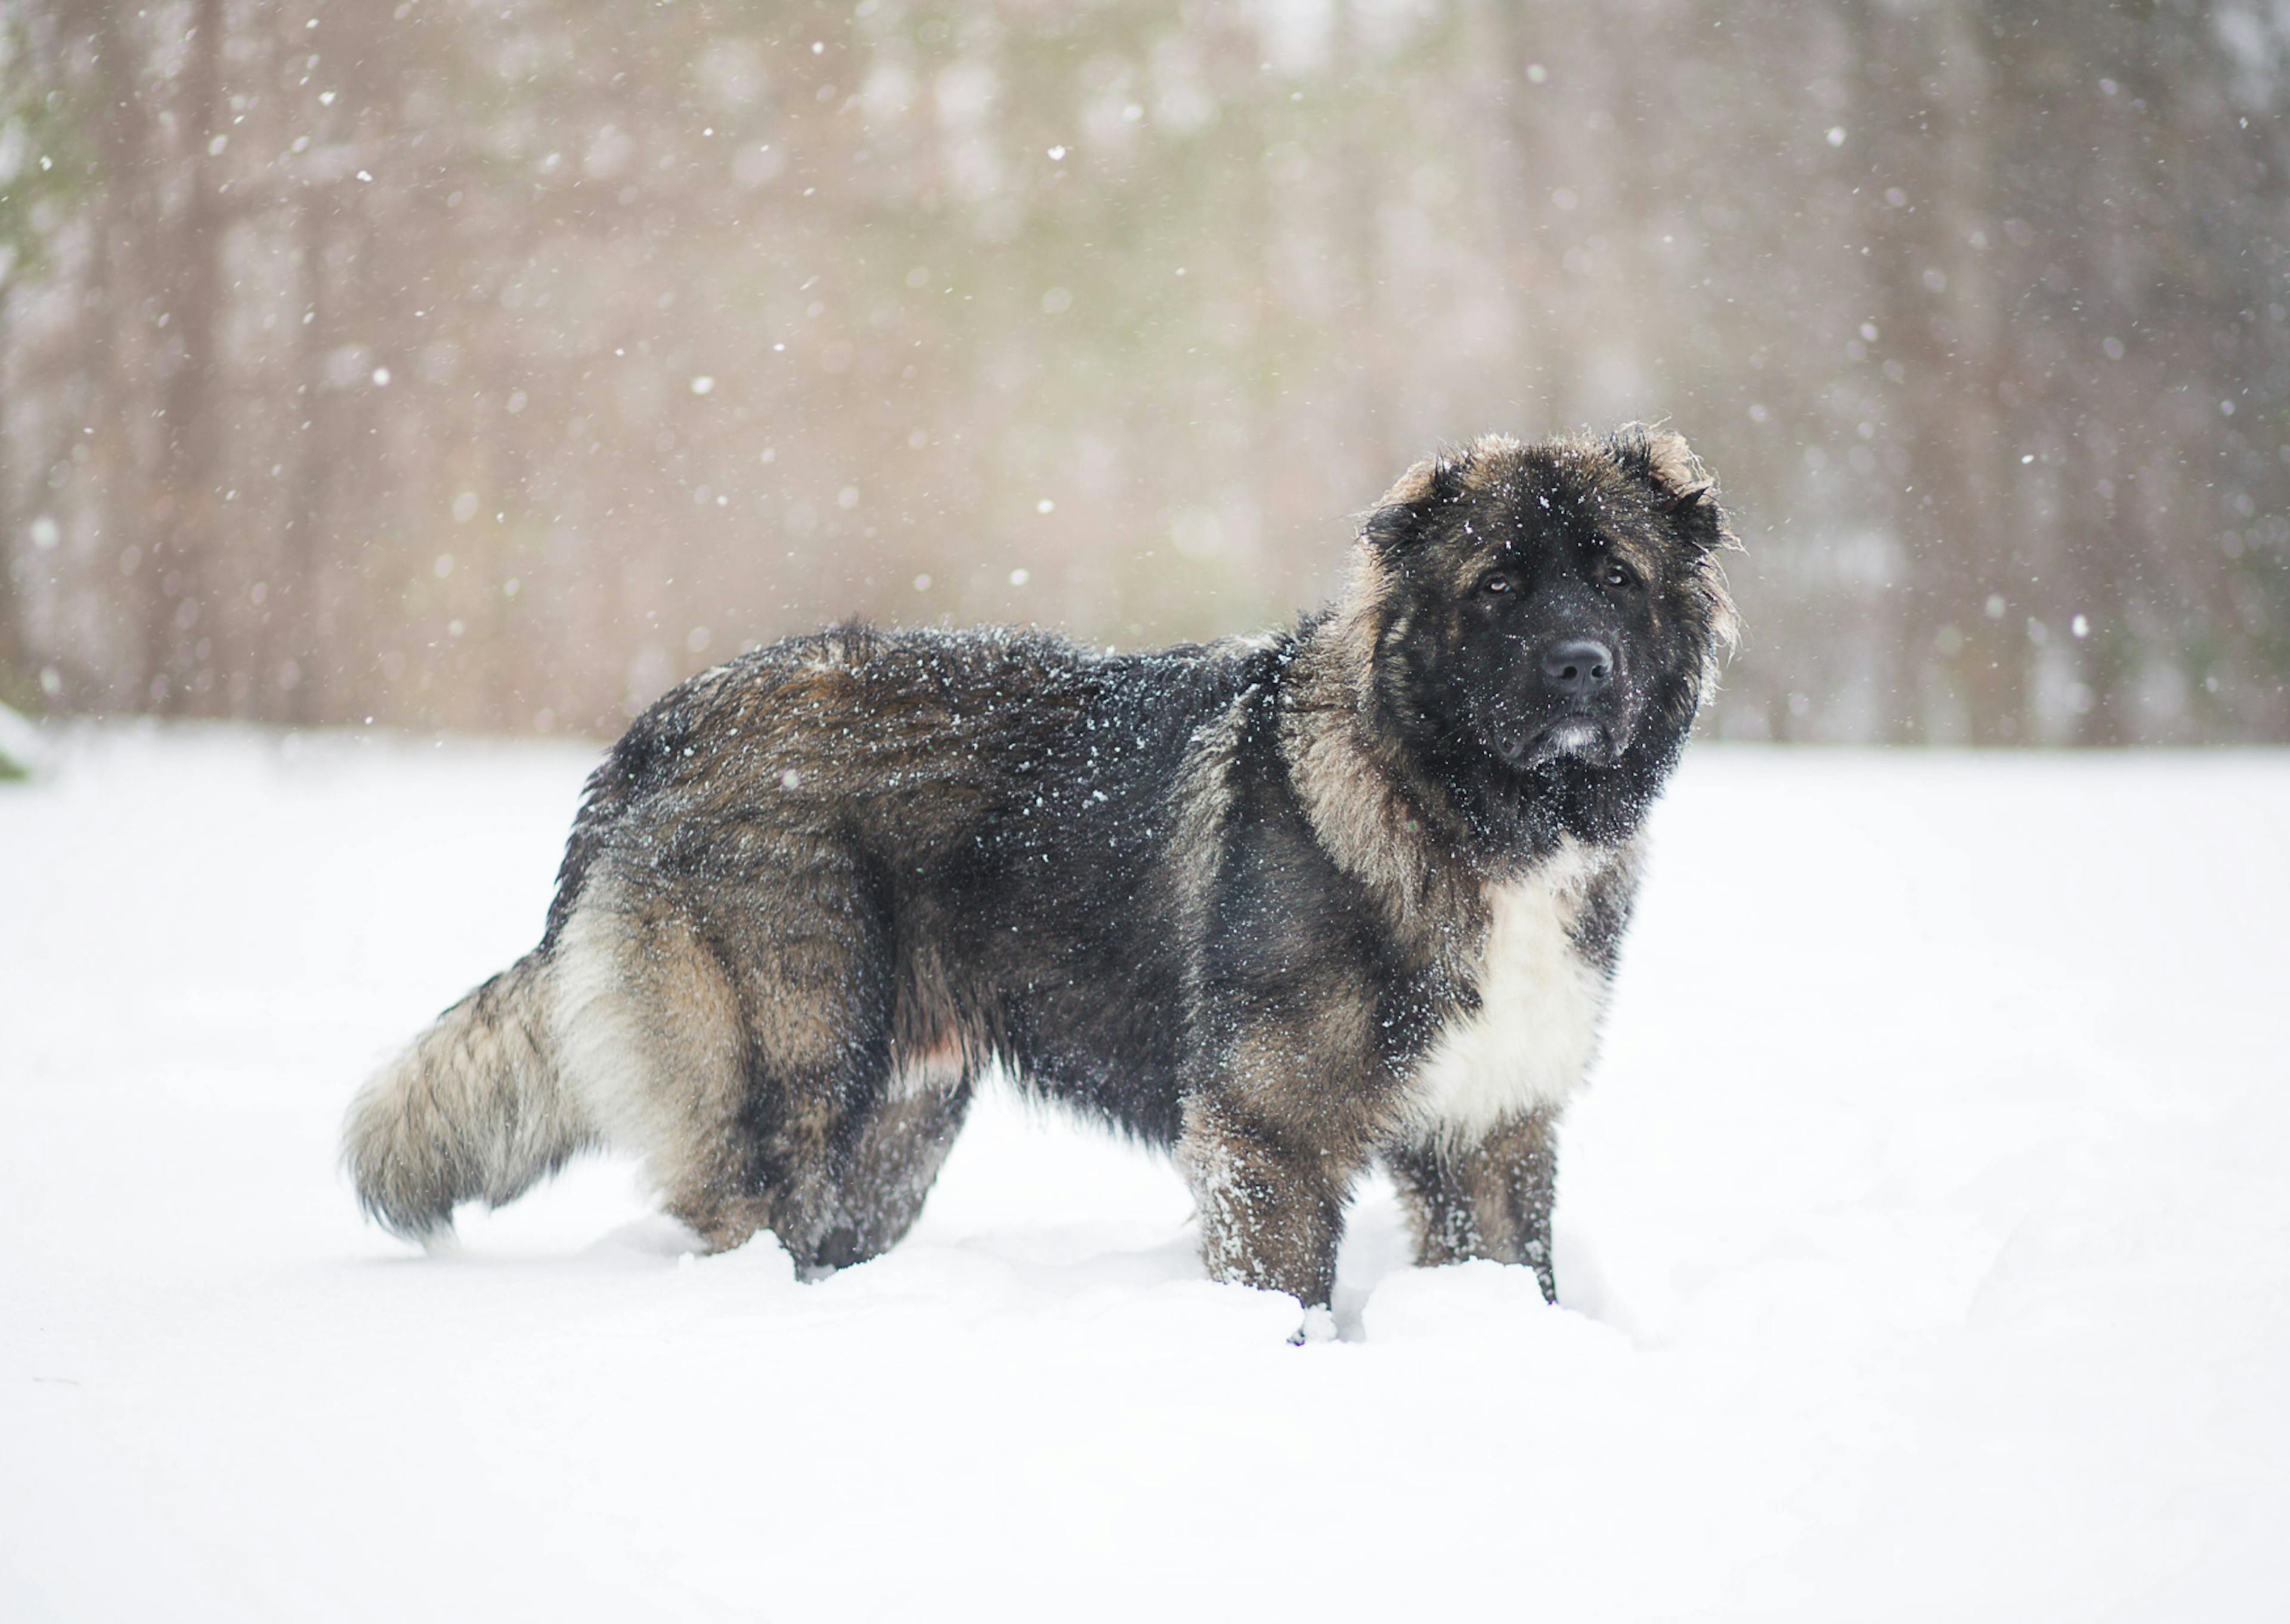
(1271, 1205)
(1488, 1197)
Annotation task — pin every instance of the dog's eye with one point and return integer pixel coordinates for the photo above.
(1618, 575)
(1496, 583)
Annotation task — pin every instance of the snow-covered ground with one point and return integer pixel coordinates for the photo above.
(1925, 1240)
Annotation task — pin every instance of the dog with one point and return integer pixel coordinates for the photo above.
(1287, 906)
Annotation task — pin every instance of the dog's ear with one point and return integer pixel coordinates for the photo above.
(1681, 487)
(1397, 520)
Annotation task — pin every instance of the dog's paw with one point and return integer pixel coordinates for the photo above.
(1319, 1327)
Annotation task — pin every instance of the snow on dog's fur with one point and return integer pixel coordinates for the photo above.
(1286, 905)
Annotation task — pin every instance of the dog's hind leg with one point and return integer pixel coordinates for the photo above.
(1490, 1197)
(734, 1058)
(892, 1159)
(824, 1147)
(651, 1023)
(742, 1044)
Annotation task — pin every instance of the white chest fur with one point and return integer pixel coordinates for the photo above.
(1536, 1028)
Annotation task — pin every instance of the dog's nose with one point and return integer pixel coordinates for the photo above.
(1578, 667)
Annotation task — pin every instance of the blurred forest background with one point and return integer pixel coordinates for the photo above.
(496, 366)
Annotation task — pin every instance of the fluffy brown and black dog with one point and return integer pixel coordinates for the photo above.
(1286, 905)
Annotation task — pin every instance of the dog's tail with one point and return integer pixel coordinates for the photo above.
(476, 1107)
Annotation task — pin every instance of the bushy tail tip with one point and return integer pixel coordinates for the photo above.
(474, 1109)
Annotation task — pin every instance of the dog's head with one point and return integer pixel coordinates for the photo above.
(1550, 603)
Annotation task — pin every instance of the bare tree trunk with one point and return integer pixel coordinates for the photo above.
(1555, 355)
(1358, 204)
(114, 409)
(1956, 550)
(14, 662)
(183, 531)
(293, 670)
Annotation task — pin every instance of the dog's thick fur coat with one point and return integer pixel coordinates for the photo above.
(1288, 904)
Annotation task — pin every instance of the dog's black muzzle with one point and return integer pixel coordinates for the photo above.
(1577, 709)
